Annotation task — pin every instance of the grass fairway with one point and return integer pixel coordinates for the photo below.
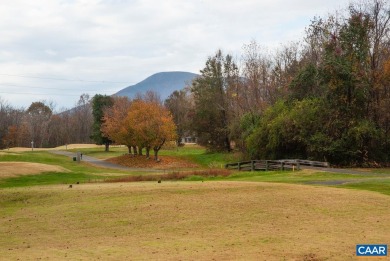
(190, 221)
(41, 168)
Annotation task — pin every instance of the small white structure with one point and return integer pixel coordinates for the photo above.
(189, 139)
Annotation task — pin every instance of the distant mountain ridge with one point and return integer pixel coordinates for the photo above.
(163, 83)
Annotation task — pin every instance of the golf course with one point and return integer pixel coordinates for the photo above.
(186, 207)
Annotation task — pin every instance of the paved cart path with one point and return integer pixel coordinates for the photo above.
(343, 181)
(345, 171)
(101, 163)
(384, 176)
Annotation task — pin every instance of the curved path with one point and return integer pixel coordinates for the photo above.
(101, 163)
(382, 176)
(343, 181)
(345, 171)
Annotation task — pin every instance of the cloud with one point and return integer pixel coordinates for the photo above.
(126, 41)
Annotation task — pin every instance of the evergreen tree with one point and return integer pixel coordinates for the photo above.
(211, 122)
(99, 103)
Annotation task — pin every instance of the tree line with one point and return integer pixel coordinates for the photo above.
(43, 126)
(141, 124)
(326, 97)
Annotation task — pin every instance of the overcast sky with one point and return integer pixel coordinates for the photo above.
(58, 49)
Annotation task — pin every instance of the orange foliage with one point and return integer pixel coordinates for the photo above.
(143, 123)
(152, 123)
(386, 70)
(113, 125)
(12, 136)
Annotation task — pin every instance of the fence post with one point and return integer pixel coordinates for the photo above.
(266, 165)
(252, 165)
(282, 165)
(239, 167)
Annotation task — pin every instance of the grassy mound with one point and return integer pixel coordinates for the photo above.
(166, 162)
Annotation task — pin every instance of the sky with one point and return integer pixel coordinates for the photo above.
(56, 50)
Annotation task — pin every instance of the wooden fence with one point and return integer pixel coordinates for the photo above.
(288, 164)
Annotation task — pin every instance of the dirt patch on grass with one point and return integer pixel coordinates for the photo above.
(166, 162)
(13, 169)
(190, 221)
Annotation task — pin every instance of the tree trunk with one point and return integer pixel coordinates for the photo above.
(129, 148)
(228, 147)
(156, 149)
(135, 150)
(107, 147)
(140, 151)
(155, 153)
(147, 152)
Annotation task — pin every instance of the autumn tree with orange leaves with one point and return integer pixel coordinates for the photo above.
(113, 125)
(139, 124)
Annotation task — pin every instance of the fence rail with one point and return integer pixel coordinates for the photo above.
(287, 164)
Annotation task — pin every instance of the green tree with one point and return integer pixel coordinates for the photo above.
(211, 113)
(180, 105)
(335, 98)
(38, 118)
(286, 129)
(99, 103)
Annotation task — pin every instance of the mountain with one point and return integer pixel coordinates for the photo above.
(163, 83)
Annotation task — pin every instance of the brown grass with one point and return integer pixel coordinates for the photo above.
(78, 146)
(190, 221)
(13, 169)
(8, 153)
(175, 175)
(24, 149)
(70, 146)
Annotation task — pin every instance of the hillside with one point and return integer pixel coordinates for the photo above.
(164, 83)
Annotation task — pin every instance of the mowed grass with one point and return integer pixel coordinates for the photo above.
(379, 185)
(190, 221)
(82, 173)
(194, 153)
(377, 181)
(246, 216)
(87, 173)
(75, 172)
